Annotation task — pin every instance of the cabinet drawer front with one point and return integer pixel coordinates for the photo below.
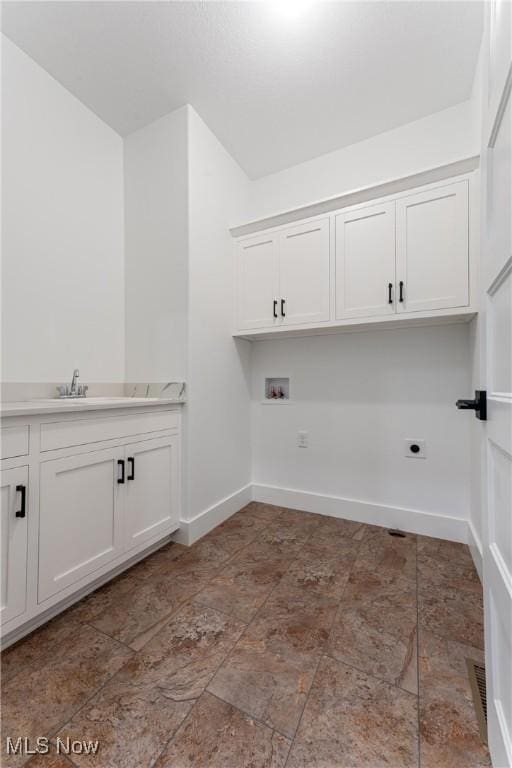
(14, 441)
(79, 518)
(66, 434)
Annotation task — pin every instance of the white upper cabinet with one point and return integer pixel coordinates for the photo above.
(304, 273)
(387, 260)
(13, 513)
(432, 262)
(365, 262)
(257, 282)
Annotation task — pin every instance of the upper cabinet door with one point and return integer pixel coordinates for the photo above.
(432, 257)
(365, 262)
(257, 282)
(304, 273)
(152, 489)
(14, 515)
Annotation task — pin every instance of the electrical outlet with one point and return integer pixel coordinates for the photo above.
(303, 439)
(415, 449)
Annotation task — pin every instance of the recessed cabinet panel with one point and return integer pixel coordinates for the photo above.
(14, 441)
(14, 516)
(432, 249)
(66, 433)
(152, 491)
(498, 228)
(257, 282)
(365, 262)
(304, 273)
(79, 519)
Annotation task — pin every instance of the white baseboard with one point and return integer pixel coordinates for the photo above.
(192, 530)
(475, 547)
(499, 739)
(410, 520)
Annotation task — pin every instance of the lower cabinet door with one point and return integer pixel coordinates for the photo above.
(152, 489)
(80, 519)
(14, 515)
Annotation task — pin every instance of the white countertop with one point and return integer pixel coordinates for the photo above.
(54, 405)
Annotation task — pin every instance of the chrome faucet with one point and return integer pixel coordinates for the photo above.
(76, 374)
(74, 389)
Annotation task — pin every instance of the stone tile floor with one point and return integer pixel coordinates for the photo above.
(282, 638)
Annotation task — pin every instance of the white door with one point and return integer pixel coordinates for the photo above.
(497, 283)
(14, 511)
(257, 282)
(432, 256)
(304, 273)
(152, 489)
(79, 518)
(365, 262)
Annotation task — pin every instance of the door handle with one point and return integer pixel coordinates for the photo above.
(23, 509)
(131, 465)
(478, 405)
(275, 308)
(401, 296)
(283, 314)
(390, 293)
(120, 463)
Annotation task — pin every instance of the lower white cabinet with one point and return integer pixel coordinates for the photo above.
(13, 507)
(90, 506)
(152, 489)
(97, 505)
(80, 523)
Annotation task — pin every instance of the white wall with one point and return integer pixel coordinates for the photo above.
(62, 234)
(360, 395)
(64, 174)
(218, 410)
(438, 139)
(156, 236)
(182, 189)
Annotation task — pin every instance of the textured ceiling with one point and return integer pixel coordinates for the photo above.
(275, 90)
